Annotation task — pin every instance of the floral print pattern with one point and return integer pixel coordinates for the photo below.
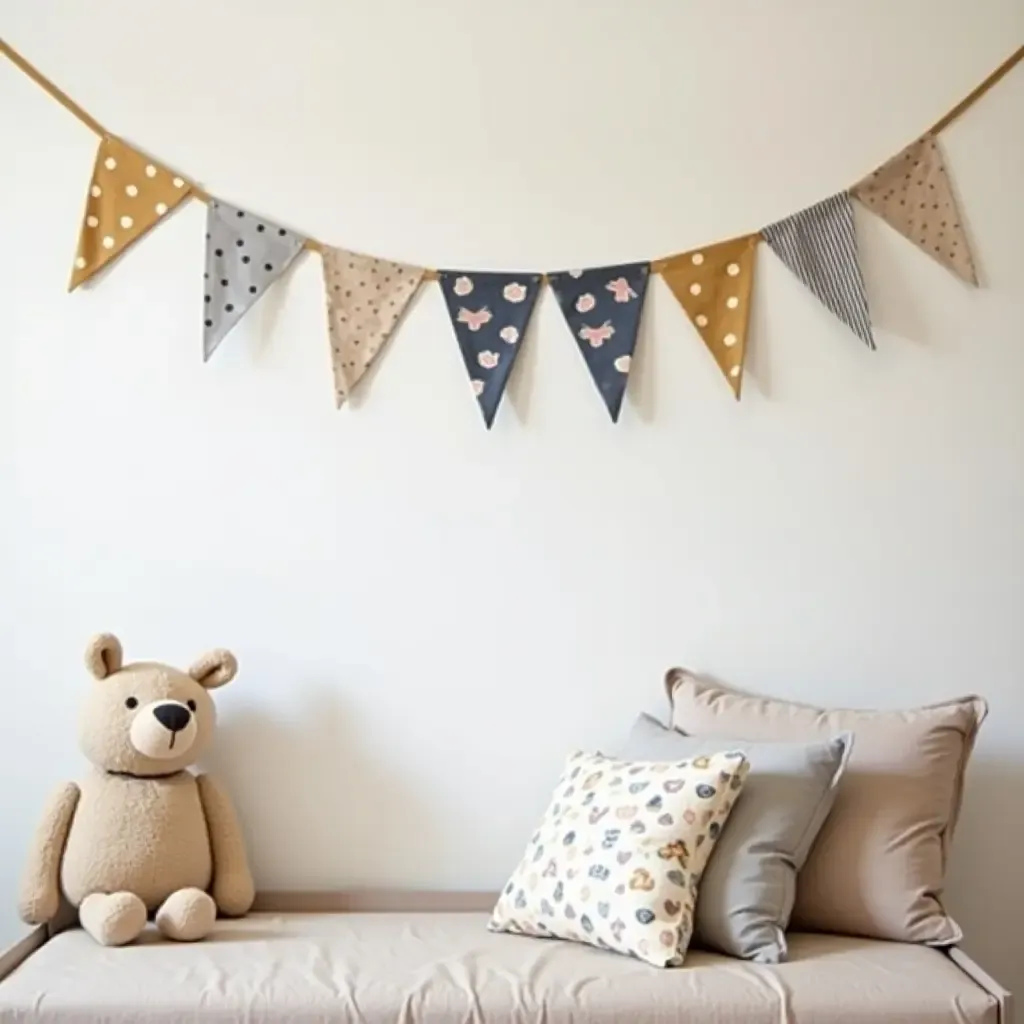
(621, 290)
(623, 845)
(602, 307)
(490, 313)
(474, 319)
(595, 337)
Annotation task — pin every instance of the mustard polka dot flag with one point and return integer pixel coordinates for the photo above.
(129, 195)
(912, 192)
(714, 285)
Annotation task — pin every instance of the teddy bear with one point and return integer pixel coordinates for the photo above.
(141, 835)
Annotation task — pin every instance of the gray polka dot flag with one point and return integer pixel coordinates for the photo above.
(245, 255)
(819, 245)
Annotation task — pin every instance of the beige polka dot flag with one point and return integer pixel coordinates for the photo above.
(714, 285)
(128, 195)
(914, 194)
(366, 298)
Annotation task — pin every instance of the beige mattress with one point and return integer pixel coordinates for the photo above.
(445, 967)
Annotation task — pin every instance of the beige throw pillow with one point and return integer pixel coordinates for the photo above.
(617, 860)
(878, 866)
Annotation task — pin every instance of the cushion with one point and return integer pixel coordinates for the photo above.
(617, 859)
(878, 866)
(748, 888)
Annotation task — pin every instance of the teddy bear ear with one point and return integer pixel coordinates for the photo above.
(103, 656)
(214, 669)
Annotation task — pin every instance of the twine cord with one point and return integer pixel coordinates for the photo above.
(312, 244)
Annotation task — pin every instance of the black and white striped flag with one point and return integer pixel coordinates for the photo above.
(819, 245)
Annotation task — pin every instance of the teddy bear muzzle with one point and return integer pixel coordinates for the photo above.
(164, 729)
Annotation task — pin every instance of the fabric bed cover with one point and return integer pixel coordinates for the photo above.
(445, 967)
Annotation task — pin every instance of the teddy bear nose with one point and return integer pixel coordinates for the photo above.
(172, 716)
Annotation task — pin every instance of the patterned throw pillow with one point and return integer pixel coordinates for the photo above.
(617, 860)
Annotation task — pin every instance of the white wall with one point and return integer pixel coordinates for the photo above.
(427, 615)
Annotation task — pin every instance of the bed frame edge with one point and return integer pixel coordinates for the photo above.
(14, 956)
(981, 977)
(374, 901)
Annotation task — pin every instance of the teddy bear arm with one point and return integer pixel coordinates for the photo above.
(233, 890)
(39, 898)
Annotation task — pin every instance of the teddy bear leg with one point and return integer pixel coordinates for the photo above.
(187, 915)
(113, 919)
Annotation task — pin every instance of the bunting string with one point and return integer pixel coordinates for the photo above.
(130, 193)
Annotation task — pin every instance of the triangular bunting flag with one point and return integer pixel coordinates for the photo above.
(490, 313)
(366, 298)
(128, 195)
(714, 285)
(245, 255)
(819, 245)
(913, 193)
(602, 307)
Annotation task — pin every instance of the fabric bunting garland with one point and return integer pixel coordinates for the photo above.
(490, 313)
(714, 286)
(602, 307)
(128, 195)
(245, 255)
(819, 245)
(912, 192)
(366, 298)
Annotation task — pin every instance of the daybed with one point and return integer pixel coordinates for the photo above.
(373, 958)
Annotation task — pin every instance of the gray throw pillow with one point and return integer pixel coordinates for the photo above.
(746, 894)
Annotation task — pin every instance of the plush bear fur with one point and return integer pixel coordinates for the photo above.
(141, 835)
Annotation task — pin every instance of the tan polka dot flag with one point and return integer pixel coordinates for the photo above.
(128, 195)
(914, 194)
(366, 298)
(714, 285)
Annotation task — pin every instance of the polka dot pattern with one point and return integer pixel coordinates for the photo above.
(603, 308)
(245, 255)
(913, 193)
(714, 286)
(490, 313)
(366, 298)
(125, 201)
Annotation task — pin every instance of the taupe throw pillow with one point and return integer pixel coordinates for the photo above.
(749, 884)
(878, 866)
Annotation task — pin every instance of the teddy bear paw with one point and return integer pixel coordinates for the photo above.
(187, 915)
(113, 919)
(39, 907)
(234, 893)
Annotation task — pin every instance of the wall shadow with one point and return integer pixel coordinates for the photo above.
(983, 891)
(319, 807)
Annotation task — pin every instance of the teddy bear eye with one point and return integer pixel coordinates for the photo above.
(131, 703)
(192, 705)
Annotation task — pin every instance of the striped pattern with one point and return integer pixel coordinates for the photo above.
(819, 245)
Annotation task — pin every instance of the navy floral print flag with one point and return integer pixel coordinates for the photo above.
(602, 307)
(490, 312)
